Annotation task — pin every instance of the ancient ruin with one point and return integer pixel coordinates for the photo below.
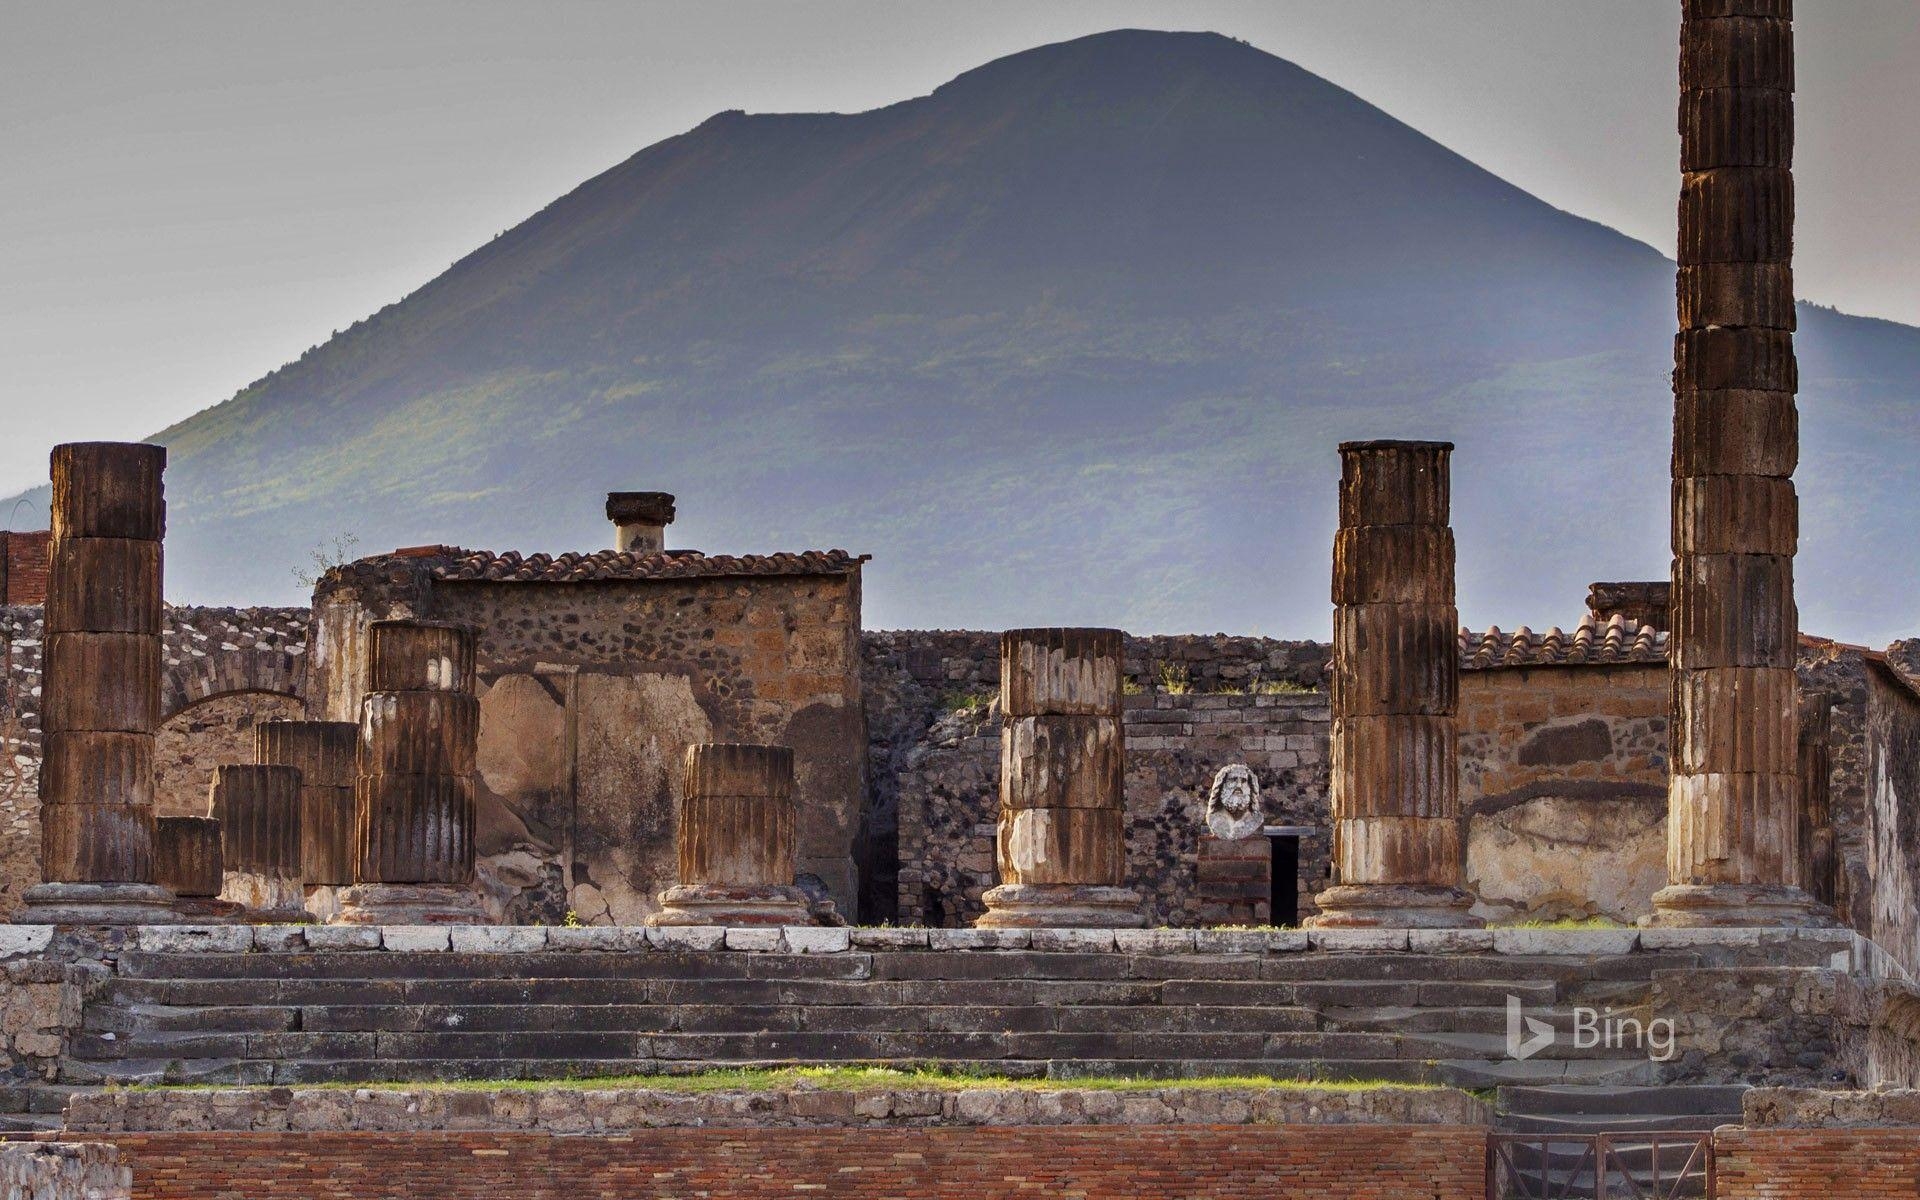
(1733, 829)
(1395, 793)
(736, 840)
(561, 817)
(102, 693)
(413, 819)
(258, 809)
(1061, 845)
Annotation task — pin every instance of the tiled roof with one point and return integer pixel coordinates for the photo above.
(1617, 640)
(512, 567)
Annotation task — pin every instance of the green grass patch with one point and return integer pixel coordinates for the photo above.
(1563, 923)
(843, 1078)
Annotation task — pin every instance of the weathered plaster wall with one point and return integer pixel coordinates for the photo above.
(1892, 813)
(1563, 777)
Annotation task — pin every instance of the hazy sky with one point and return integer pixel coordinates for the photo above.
(193, 193)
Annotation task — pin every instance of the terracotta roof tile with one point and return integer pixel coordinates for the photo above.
(1617, 640)
(512, 567)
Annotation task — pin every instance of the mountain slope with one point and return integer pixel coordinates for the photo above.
(1070, 339)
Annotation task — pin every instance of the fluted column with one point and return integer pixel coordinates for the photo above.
(325, 754)
(413, 791)
(1398, 852)
(1062, 843)
(737, 840)
(186, 861)
(101, 688)
(258, 808)
(1734, 842)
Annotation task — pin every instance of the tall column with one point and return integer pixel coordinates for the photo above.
(1733, 810)
(413, 792)
(325, 754)
(186, 861)
(737, 840)
(101, 685)
(1062, 842)
(258, 808)
(1398, 854)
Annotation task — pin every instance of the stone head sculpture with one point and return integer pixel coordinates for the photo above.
(1233, 803)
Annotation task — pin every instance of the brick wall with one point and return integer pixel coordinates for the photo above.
(1137, 1162)
(23, 566)
(1789, 1164)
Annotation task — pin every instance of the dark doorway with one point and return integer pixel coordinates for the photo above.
(1283, 907)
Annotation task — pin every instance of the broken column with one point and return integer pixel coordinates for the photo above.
(413, 811)
(324, 752)
(1733, 813)
(737, 840)
(258, 808)
(1398, 855)
(186, 861)
(640, 520)
(101, 689)
(1062, 844)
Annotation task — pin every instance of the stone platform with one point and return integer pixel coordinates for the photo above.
(289, 1005)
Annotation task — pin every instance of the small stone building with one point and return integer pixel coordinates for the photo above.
(596, 670)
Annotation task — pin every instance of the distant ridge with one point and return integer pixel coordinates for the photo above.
(1070, 339)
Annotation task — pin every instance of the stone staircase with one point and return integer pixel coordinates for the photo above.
(343, 1016)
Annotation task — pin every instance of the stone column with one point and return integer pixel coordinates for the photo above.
(258, 809)
(1062, 844)
(101, 685)
(737, 840)
(413, 793)
(186, 861)
(1398, 854)
(324, 752)
(1733, 815)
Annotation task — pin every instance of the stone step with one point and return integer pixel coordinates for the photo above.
(241, 1072)
(788, 1046)
(1668, 1099)
(1483, 1073)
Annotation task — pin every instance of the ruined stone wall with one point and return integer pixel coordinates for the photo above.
(1564, 785)
(948, 794)
(225, 669)
(589, 695)
(926, 692)
(63, 1171)
(1892, 812)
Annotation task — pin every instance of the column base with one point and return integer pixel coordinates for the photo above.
(1060, 906)
(1735, 906)
(1393, 906)
(98, 904)
(208, 910)
(267, 899)
(712, 904)
(411, 904)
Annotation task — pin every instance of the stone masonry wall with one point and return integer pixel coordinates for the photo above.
(1564, 784)
(62, 1171)
(589, 694)
(225, 670)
